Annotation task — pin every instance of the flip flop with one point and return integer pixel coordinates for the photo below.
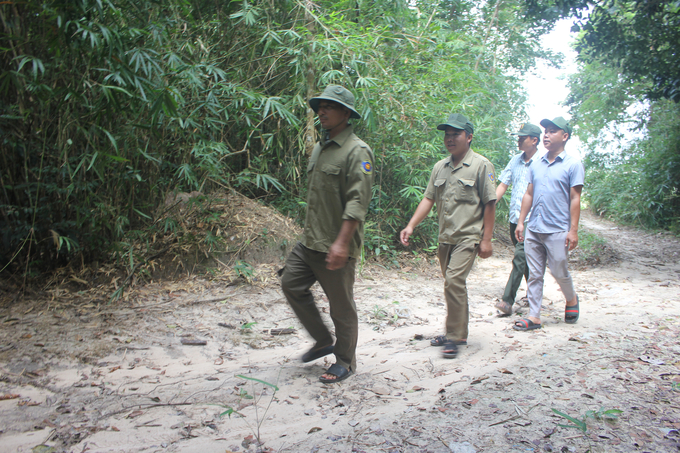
(504, 307)
(526, 324)
(571, 313)
(440, 339)
(450, 349)
(340, 372)
(314, 354)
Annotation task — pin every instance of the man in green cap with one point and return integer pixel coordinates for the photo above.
(463, 187)
(339, 177)
(554, 198)
(515, 174)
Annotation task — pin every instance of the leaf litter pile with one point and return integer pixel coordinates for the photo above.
(212, 362)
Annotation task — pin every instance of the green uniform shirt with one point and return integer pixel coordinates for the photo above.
(340, 176)
(460, 195)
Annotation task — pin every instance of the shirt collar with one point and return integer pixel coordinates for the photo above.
(339, 139)
(524, 161)
(467, 160)
(561, 156)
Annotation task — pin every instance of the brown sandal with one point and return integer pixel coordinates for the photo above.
(504, 307)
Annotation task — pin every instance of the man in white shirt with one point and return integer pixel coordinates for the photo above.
(515, 174)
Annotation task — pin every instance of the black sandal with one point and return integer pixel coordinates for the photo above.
(440, 339)
(450, 350)
(317, 353)
(340, 372)
(571, 313)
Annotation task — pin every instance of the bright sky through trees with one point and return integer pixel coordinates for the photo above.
(547, 87)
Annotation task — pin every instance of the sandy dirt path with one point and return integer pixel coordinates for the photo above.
(79, 377)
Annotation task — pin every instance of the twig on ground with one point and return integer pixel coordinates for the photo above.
(413, 371)
(520, 414)
(431, 365)
(147, 406)
(207, 301)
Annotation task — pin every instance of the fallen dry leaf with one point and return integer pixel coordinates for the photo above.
(9, 396)
(380, 390)
(191, 342)
(651, 360)
(134, 414)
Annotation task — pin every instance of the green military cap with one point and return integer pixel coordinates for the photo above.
(338, 94)
(458, 121)
(558, 122)
(528, 129)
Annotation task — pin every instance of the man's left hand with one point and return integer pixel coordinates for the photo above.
(572, 239)
(485, 249)
(337, 257)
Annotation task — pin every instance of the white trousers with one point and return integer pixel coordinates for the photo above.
(551, 248)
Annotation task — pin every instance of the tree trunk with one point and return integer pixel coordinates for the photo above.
(310, 130)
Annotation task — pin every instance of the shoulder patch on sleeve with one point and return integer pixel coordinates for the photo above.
(367, 167)
(491, 177)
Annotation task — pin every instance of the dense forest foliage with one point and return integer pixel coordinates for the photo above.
(109, 107)
(625, 101)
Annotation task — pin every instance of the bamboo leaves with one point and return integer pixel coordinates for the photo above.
(136, 99)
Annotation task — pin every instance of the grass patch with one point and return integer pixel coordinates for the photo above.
(593, 250)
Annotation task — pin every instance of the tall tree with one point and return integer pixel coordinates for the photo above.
(640, 38)
(624, 100)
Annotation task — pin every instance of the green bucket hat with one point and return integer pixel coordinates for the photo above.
(558, 122)
(338, 94)
(458, 121)
(528, 129)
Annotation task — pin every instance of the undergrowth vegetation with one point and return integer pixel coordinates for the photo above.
(109, 108)
(640, 184)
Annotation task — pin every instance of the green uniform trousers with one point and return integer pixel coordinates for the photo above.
(456, 262)
(303, 268)
(519, 269)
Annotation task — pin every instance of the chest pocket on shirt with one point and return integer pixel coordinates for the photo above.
(439, 186)
(465, 191)
(331, 177)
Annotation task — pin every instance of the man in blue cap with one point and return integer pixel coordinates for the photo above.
(463, 187)
(515, 174)
(554, 198)
(339, 177)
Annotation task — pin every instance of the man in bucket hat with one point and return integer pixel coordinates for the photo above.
(554, 198)
(515, 174)
(339, 177)
(463, 187)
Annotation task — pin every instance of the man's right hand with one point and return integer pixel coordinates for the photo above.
(519, 232)
(405, 234)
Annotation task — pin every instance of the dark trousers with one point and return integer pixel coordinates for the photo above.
(303, 268)
(519, 269)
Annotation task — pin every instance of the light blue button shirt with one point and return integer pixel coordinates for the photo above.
(552, 185)
(516, 174)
